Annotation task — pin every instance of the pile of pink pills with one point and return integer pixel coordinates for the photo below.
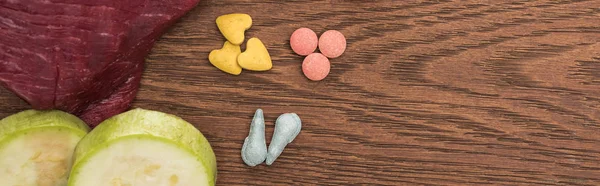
(331, 44)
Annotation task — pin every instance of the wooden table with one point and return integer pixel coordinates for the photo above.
(428, 92)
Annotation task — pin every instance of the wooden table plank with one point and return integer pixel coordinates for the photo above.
(428, 92)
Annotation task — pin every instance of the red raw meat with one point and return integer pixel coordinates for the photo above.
(85, 57)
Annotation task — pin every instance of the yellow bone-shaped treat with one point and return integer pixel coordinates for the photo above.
(233, 26)
(256, 57)
(225, 58)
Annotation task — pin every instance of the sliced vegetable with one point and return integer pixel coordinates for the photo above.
(144, 147)
(36, 147)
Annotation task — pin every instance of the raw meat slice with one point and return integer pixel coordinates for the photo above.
(80, 56)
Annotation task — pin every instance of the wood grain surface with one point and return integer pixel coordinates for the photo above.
(434, 92)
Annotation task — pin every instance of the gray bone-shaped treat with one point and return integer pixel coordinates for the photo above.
(254, 150)
(287, 127)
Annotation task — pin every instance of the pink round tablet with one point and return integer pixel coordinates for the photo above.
(304, 41)
(316, 66)
(332, 43)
